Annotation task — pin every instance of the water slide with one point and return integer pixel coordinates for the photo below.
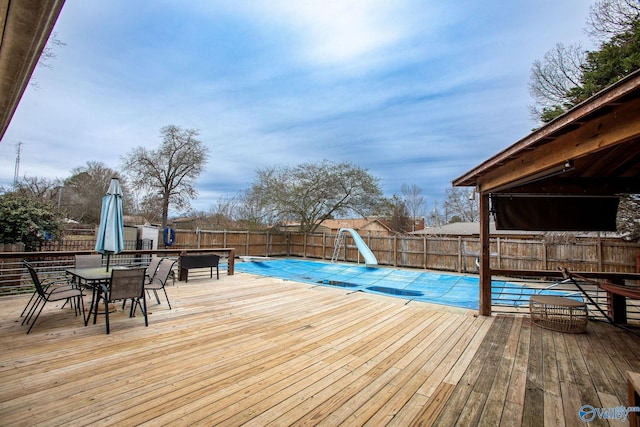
(369, 257)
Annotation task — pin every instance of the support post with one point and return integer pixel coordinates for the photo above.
(485, 271)
(231, 262)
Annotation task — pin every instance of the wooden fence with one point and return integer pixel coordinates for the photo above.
(436, 253)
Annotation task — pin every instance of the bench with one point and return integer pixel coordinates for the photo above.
(616, 299)
(187, 262)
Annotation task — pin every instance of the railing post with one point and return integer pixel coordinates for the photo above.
(231, 262)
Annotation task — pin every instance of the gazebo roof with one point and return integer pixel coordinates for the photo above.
(568, 174)
(592, 149)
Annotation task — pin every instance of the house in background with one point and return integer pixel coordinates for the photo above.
(364, 226)
(472, 229)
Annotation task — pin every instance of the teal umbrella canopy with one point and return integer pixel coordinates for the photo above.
(110, 238)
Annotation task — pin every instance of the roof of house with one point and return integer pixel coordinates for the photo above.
(470, 229)
(355, 223)
(473, 229)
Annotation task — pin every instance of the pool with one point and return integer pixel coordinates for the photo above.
(414, 285)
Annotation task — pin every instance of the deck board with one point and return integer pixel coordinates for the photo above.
(246, 350)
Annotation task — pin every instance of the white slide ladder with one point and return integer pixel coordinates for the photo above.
(337, 246)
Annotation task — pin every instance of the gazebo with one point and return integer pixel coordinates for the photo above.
(567, 175)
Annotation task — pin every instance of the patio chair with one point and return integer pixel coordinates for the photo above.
(125, 284)
(159, 280)
(50, 286)
(45, 293)
(152, 267)
(88, 261)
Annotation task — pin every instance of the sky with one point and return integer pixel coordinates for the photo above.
(416, 92)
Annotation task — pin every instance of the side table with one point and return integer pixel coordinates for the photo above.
(558, 313)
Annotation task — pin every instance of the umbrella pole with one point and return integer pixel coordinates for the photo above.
(108, 256)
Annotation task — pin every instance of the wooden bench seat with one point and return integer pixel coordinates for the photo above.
(198, 261)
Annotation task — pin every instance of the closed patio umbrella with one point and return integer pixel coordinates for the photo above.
(110, 238)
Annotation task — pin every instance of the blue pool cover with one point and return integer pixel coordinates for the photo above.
(416, 285)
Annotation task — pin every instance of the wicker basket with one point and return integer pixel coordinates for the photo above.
(558, 313)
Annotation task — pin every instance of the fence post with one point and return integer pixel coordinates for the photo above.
(424, 247)
(324, 245)
(599, 251)
(395, 250)
(459, 254)
(288, 240)
(266, 245)
(304, 245)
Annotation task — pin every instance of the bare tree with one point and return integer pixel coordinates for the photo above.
(414, 202)
(254, 210)
(461, 203)
(312, 192)
(42, 189)
(48, 55)
(171, 170)
(553, 79)
(400, 220)
(148, 206)
(568, 75)
(608, 18)
(82, 193)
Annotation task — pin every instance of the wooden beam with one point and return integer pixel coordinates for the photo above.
(484, 308)
(616, 127)
(580, 186)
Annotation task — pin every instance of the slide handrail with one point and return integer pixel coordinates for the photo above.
(369, 257)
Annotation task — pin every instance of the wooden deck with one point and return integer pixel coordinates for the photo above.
(258, 351)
